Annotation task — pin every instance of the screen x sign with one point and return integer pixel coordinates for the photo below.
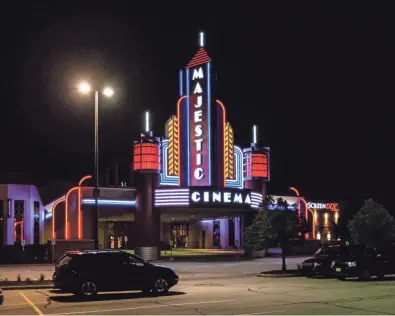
(323, 206)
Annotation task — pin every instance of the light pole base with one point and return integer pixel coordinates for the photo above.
(147, 253)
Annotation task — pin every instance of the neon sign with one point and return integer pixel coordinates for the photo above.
(198, 133)
(323, 206)
(225, 197)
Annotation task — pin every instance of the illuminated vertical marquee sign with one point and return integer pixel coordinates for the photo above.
(199, 120)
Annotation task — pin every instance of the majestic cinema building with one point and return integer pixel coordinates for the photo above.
(194, 186)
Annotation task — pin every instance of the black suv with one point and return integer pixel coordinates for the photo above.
(365, 262)
(88, 272)
(320, 263)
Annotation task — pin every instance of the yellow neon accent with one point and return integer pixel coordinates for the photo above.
(228, 152)
(231, 151)
(173, 159)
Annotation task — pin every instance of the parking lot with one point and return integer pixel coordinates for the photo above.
(224, 295)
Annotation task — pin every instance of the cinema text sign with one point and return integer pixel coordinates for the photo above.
(323, 206)
(220, 197)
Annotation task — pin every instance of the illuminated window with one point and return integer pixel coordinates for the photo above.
(315, 216)
(329, 236)
(318, 236)
(326, 218)
(336, 217)
(36, 223)
(19, 216)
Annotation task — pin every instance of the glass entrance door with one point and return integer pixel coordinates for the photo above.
(179, 235)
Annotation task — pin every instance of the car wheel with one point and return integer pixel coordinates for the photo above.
(365, 275)
(88, 289)
(161, 286)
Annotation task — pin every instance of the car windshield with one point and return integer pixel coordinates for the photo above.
(326, 251)
(136, 259)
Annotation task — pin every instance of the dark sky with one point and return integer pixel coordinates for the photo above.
(317, 77)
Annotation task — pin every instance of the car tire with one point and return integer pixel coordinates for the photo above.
(161, 286)
(364, 275)
(87, 289)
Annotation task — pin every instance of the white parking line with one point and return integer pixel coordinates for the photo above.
(143, 307)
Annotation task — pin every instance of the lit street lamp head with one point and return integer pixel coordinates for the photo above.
(84, 87)
(108, 92)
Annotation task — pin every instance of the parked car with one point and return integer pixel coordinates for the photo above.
(88, 272)
(364, 263)
(320, 263)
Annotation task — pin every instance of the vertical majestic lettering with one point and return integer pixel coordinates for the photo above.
(199, 128)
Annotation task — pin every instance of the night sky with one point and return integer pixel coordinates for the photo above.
(317, 77)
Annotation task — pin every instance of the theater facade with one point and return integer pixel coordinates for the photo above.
(195, 187)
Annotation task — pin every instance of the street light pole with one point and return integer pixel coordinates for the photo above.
(96, 189)
(85, 88)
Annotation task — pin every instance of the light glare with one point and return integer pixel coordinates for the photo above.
(108, 92)
(84, 87)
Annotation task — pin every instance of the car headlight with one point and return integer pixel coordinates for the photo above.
(351, 264)
(317, 264)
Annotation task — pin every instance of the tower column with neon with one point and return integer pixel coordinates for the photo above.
(146, 167)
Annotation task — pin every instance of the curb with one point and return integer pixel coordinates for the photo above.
(26, 287)
(290, 275)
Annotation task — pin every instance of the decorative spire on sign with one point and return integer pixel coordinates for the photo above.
(201, 56)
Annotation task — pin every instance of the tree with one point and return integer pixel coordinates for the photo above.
(266, 203)
(275, 227)
(372, 225)
(285, 227)
(255, 238)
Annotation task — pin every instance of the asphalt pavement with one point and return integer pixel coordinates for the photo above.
(189, 269)
(228, 295)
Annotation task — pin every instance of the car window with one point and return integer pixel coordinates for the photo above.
(65, 261)
(351, 252)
